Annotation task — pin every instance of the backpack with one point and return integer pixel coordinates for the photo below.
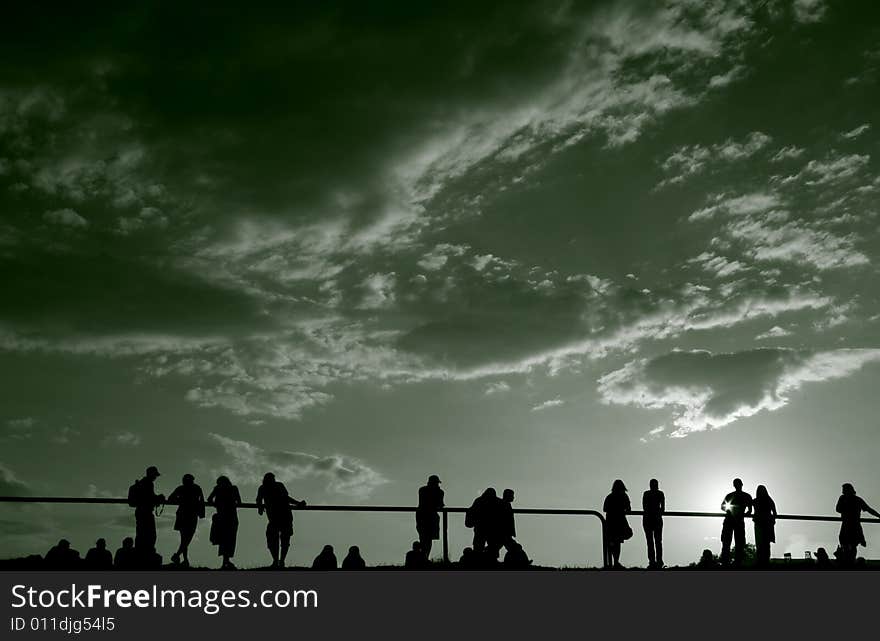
(134, 492)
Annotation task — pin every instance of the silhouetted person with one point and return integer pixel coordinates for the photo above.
(850, 507)
(507, 524)
(764, 517)
(428, 513)
(143, 498)
(484, 515)
(274, 499)
(62, 556)
(617, 529)
(822, 560)
(707, 561)
(126, 557)
(326, 560)
(190, 508)
(99, 557)
(224, 523)
(516, 558)
(737, 505)
(468, 558)
(415, 558)
(353, 560)
(653, 507)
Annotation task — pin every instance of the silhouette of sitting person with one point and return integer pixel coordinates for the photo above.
(707, 561)
(326, 560)
(224, 523)
(143, 498)
(469, 558)
(272, 497)
(515, 558)
(428, 513)
(737, 505)
(617, 529)
(353, 560)
(764, 518)
(653, 507)
(99, 557)
(126, 557)
(850, 507)
(485, 517)
(823, 562)
(190, 508)
(415, 558)
(62, 557)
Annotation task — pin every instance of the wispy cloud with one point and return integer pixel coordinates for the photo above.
(706, 391)
(341, 474)
(553, 402)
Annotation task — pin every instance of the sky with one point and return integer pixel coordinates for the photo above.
(529, 245)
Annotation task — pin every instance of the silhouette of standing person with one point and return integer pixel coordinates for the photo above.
(507, 525)
(326, 560)
(142, 496)
(850, 507)
(274, 499)
(190, 508)
(617, 529)
(428, 513)
(125, 558)
(99, 557)
(737, 505)
(224, 524)
(653, 507)
(353, 560)
(764, 518)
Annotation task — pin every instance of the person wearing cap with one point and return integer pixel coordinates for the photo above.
(736, 506)
(143, 497)
(427, 513)
(272, 497)
(617, 529)
(190, 503)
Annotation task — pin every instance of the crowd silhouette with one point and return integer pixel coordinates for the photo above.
(492, 519)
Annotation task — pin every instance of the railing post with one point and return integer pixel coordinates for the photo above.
(606, 554)
(445, 536)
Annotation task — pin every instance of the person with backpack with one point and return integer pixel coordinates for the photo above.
(143, 498)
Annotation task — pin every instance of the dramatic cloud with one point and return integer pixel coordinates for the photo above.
(708, 391)
(341, 474)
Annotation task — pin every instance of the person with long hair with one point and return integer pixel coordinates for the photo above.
(850, 507)
(225, 498)
(764, 518)
(617, 529)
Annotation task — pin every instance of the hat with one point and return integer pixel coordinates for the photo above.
(433, 479)
(153, 471)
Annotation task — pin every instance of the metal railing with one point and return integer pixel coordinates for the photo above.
(445, 514)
